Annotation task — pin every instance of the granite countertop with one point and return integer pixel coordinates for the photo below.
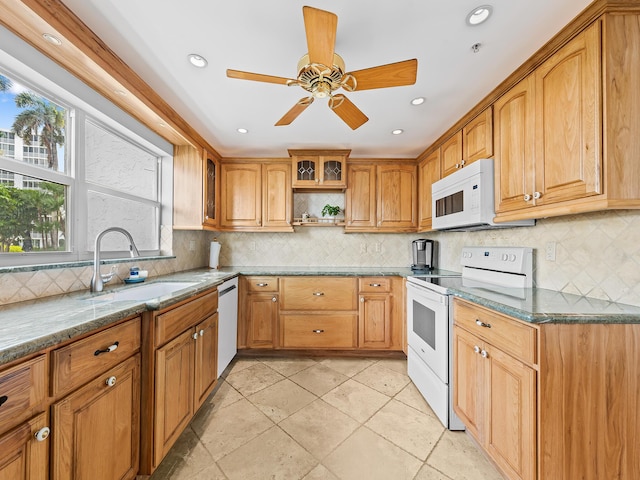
(539, 305)
(28, 327)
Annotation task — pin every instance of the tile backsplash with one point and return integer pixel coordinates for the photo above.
(597, 254)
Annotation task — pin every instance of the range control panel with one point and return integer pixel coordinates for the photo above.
(517, 260)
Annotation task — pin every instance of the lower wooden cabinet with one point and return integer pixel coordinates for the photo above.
(97, 427)
(22, 455)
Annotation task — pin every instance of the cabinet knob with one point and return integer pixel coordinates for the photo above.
(484, 354)
(462, 163)
(361, 299)
(274, 299)
(527, 197)
(317, 331)
(195, 336)
(480, 323)
(476, 349)
(110, 382)
(537, 195)
(201, 332)
(109, 349)
(42, 434)
(319, 294)
(257, 222)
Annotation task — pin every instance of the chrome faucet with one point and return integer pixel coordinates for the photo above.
(98, 280)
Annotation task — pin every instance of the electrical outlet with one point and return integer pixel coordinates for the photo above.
(550, 251)
(378, 247)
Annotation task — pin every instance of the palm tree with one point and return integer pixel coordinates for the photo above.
(5, 84)
(40, 114)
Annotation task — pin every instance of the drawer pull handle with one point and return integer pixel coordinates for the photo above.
(318, 331)
(476, 349)
(319, 294)
(480, 323)
(262, 284)
(42, 434)
(375, 285)
(3, 400)
(110, 348)
(110, 382)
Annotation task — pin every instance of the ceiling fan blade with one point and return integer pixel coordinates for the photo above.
(296, 110)
(347, 111)
(383, 76)
(320, 27)
(258, 77)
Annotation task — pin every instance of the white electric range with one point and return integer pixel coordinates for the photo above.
(430, 319)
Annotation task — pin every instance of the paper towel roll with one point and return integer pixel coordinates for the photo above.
(214, 253)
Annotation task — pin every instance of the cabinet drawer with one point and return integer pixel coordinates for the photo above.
(261, 284)
(318, 293)
(375, 284)
(499, 330)
(81, 361)
(22, 390)
(172, 323)
(318, 331)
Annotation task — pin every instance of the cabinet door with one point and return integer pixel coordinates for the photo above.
(241, 195)
(206, 358)
(97, 427)
(173, 392)
(451, 154)
(568, 121)
(374, 321)
(397, 197)
(306, 170)
(187, 187)
(477, 138)
(514, 124)
(262, 320)
(428, 172)
(510, 437)
(278, 198)
(360, 209)
(333, 171)
(211, 178)
(468, 378)
(22, 457)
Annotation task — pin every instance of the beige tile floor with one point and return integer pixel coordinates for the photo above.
(312, 419)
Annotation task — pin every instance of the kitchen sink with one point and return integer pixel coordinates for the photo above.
(143, 292)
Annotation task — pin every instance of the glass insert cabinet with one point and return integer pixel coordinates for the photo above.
(319, 169)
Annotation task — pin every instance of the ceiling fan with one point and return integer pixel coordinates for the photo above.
(322, 71)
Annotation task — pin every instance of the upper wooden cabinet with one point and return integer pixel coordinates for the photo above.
(319, 169)
(256, 196)
(477, 138)
(195, 189)
(382, 198)
(451, 154)
(428, 172)
(547, 131)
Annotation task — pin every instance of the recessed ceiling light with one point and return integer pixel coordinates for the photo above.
(397, 131)
(479, 15)
(52, 39)
(417, 101)
(242, 130)
(197, 60)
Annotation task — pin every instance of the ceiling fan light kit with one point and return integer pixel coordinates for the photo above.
(321, 72)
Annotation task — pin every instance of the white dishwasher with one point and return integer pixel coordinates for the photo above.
(227, 323)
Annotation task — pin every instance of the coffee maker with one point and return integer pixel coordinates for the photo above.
(422, 255)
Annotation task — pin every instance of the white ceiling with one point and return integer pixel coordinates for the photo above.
(154, 38)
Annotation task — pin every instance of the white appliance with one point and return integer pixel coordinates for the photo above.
(227, 323)
(430, 319)
(464, 200)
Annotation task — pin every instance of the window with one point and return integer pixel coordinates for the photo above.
(68, 171)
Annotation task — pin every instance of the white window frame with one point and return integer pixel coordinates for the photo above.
(38, 73)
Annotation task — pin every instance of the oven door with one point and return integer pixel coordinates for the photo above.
(428, 328)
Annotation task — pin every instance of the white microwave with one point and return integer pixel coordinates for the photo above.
(464, 200)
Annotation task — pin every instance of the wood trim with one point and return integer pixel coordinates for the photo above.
(86, 56)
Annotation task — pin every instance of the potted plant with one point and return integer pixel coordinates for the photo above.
(331, 211)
